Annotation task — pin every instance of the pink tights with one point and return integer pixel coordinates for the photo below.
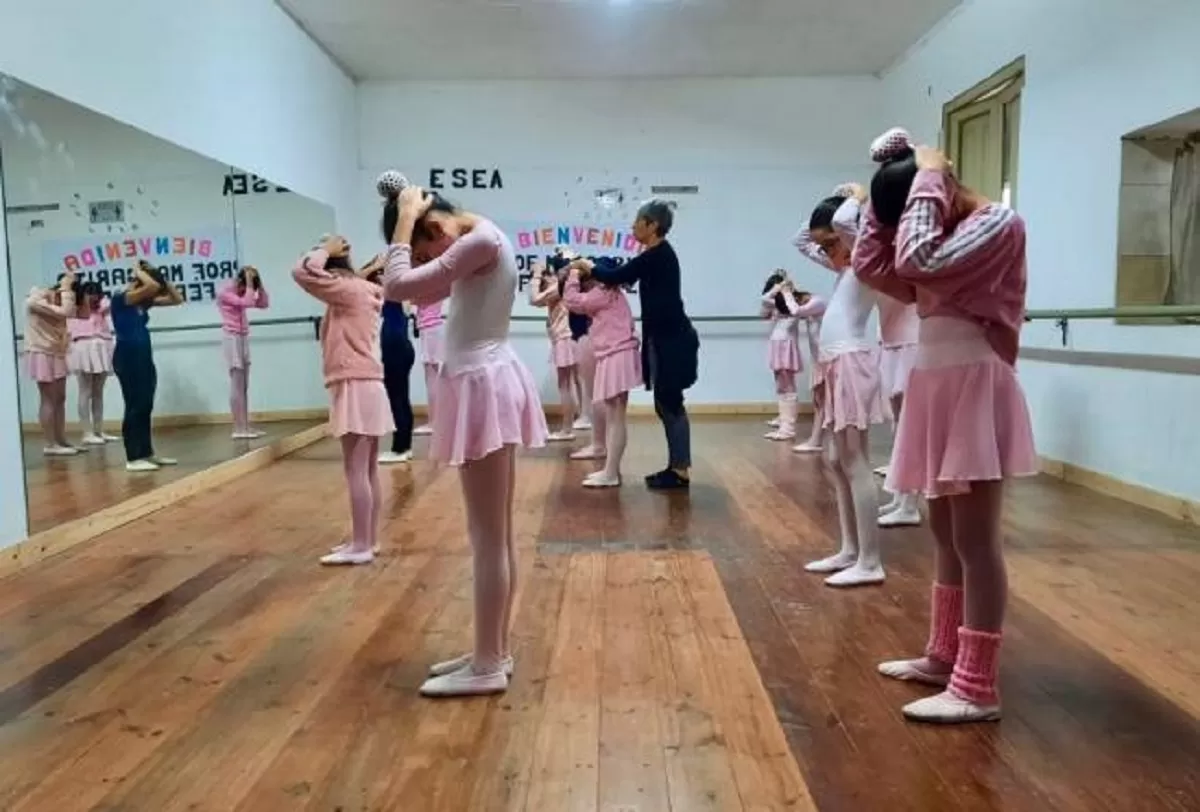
(91, 401)
(52, 411)
(488, 485)
(586, 378)
(615, 432)
(431, 374)
(360, 463)
(566, 396)
(785, 382)
(239, 398)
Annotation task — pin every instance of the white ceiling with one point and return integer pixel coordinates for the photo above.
(577, 39)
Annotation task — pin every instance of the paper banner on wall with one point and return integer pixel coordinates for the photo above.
(535, 241)
(196, 262)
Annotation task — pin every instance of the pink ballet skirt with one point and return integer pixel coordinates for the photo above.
(852, 395)
(486, 399)
(359, 406)
(90, 356)
(237, 350)
(433, 347)
(895, 366)
(562, 353)
(783, 355)
(617, 374)
(44, 367)
(964, 419)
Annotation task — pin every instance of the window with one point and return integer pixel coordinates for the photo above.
(981, 129)
(1158, 244)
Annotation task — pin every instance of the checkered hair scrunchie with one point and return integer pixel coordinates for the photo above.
(391, 183)
(892, 144)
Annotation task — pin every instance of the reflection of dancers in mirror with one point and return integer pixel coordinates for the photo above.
(898, 326)
(487, 405)
(430, 324)
(965, 426)
(90, 360)
(618, 362)
(811, 313)
(779, 304)
(546, 290)
(234, 300)
(852, 401)
(359, 413)
(133, 361)
(46, 345)
(399, 356)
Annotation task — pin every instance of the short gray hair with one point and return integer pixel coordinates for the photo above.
(660, 213)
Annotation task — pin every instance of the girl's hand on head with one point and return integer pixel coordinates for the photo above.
(932, 159)
(336, 246)
(68, 281)
(414, 202)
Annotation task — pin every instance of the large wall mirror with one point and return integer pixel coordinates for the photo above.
(158, 330)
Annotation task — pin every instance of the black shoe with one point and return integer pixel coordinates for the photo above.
(667, 481)
(656, 475)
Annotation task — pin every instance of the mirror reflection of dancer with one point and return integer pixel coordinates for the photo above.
(359, 413)
(898, 327)
(850, 368)
(487, 405)
(133, 361)
(781, 304)
(234, 300)
(546, 290)
(399, 356)
(46, 343)
(430, 326)
(811, 312)
(964, 427)
(90, 359)
(670, 346)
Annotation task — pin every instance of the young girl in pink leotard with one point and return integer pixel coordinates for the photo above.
(90, 359)
(964, 427)
(779, 304)
(546, 290)
(615, 342)
(811, 313)
(234, 300)
(47, 341)
(359, 412)
(487, 405)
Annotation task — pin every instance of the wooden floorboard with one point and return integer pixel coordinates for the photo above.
(672, 655)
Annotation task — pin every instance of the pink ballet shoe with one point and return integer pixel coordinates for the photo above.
(949, 709)
(465, 682)
(914, 671)
(858, 575)
(835, 563)
(347, 558)
(589, 452)
(450, 666)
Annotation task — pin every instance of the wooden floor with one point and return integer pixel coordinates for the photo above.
(62, 489)
(672, 654)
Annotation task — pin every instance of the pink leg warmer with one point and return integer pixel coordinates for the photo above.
(486, 487)
(944, 621)
(976, 667)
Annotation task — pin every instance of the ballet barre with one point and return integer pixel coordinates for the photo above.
(315, 321)
(1062, 318)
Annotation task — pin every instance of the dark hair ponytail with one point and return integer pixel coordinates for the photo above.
(391, 215)
(822, 215)
(891, 185)
(780, 303)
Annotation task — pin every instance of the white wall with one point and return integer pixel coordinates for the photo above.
(761, 151)
(1096, 70)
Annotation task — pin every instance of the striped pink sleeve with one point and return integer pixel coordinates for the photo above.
(874, 260)
(923, 245)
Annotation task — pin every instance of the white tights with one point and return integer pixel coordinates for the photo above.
(91, 401)
(857, 498)
(615, 427)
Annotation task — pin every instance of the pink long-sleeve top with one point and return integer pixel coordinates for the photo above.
(234, 308)
(479, 274)
(350, 328)
(96, 324)
(46, 325)
(612, 327)
(973, 269)
(558, 325)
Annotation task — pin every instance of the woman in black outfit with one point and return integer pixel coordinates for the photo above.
(670, 346)
(398, 358)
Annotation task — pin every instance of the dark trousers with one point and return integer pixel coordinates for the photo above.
(668, 405)
(398, 359)
(134, 364)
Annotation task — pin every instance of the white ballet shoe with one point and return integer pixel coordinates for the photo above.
(780, 435)
(901, 518)
(948, 709)
(465, 682)
(890, 507)
(109, 438)
(589, 452)
(345, 545)
(249, 434)
(345, 557)
(773, 422)
(164, 461)
(807, 448)
(93, 439)
(141, 466)
(835, 563)
(911, 671)
(882, 471)
(561, 437)
(582, 424)
(857, 576)
(60, 451)
(450, 666)
(601, 480)
(422, 431)
(394, 457)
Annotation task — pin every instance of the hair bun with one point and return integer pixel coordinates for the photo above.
(844, 190)
(391, 183)
(893, 144)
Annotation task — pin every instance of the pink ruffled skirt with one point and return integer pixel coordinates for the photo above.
(433, 347)
(90, 356)
(895, 366)
(562, 353)
(853, 397)
(783, 355)
(486, 399)
(617, 374)
(359, 407)
(44, 367)
(237, 350)
(964, 419)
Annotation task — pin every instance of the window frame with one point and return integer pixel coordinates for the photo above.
(994, 96)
